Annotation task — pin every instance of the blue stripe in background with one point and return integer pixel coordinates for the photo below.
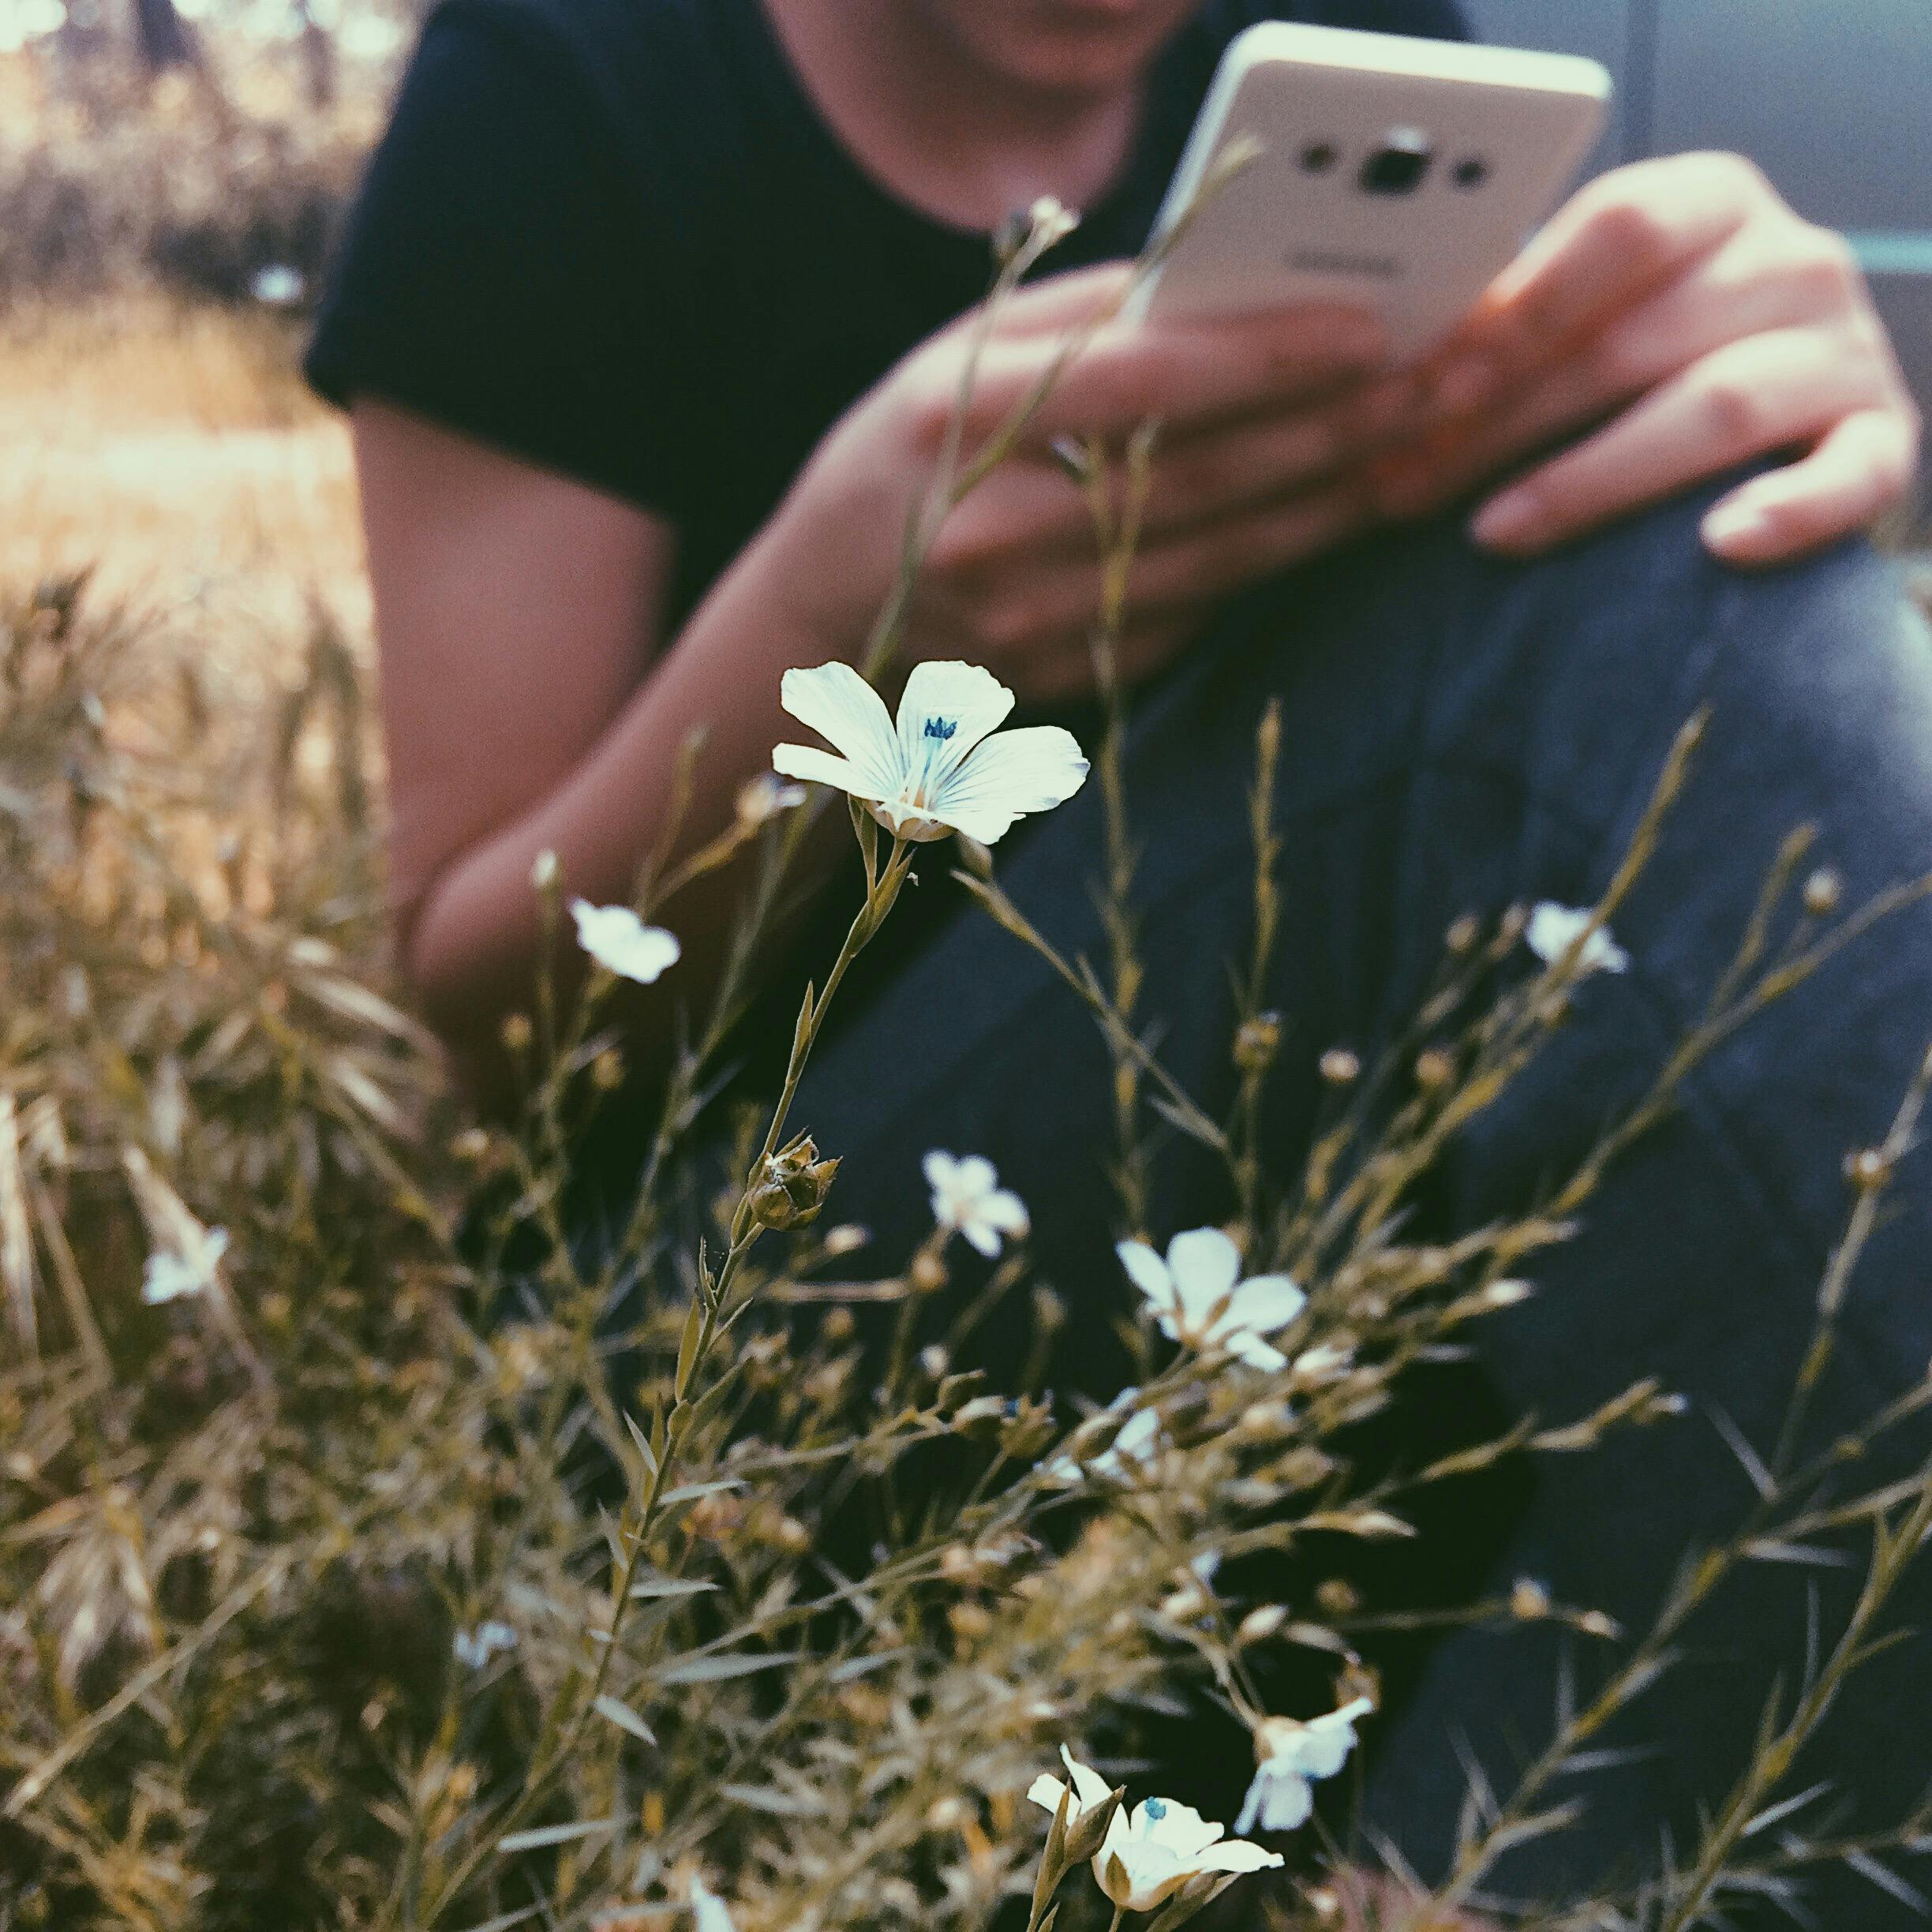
(1893, 251)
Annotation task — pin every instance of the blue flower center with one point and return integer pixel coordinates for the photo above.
(942, 729)
(1156, 1809)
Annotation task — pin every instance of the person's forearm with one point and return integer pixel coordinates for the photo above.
(471, 948)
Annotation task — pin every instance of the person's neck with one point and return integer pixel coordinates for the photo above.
(937, 128)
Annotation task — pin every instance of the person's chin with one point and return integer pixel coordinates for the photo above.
(1090, 46)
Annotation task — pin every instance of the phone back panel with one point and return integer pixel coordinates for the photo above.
(1498, 134)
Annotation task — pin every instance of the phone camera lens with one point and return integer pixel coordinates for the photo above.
(1396, 167)
(1318, 157)
(1470, 173)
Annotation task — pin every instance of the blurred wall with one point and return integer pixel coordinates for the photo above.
(1833, 98)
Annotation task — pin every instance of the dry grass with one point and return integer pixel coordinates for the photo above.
(176, 451)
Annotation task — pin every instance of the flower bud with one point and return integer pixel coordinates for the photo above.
(516, 1032)
(1340, 1068)
(1262, 1623)
(544, 873)
(1338, 1596)
(983, 1417)
(1867, 1169)
(791, 1187)
(1506, 1294)
(928, 1273)
(1462, 933)
(970, 1621)
(607, 1071)
(840, 1325)
(1528, 1599)
(1088, 1832)
(1434, 1069)
(1822, 892)
(1257, 1042)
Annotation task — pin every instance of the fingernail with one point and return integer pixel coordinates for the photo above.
(1506, 519)
(1734, 523)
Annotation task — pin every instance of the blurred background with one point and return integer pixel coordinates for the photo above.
(172, 172)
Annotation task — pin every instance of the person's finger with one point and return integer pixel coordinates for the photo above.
(1059, 302)
(1770, 392)
(1183, 375)
(1202, 477)
(1617, 240)
(1861, 467)
(1036, 510)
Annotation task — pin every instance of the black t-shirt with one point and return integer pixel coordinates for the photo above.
(616, 238)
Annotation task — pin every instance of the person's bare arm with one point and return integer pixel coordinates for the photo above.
(531, 703)
(519, 614)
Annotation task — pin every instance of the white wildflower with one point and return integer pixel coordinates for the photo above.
(474, 1648)
(617, 939)
(1291, 1757)
(1134, 1447)
(190, 1270)
(967, 1199)
(708, 1912)
(943, 767)
(762, 797)
(1553, 929)
(1149, 1856)
(1199, 1297)
(278, 286)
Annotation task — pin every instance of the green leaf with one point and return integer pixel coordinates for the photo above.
(624, 1718)
(690, 1492)
(644, 1448)
(645, 1588)
(556, 1834)
(721, 1664)
(687, 1348)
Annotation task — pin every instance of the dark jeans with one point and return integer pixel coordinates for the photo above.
(1461, 734)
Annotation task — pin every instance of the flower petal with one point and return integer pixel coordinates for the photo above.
(1235, 1855)
(839, 704)
(1279, 1800)
(821, 767)
(938, 1167)
(1205, 1265)
(1046, 1791)
(1246, 1346)
(1089, 1786)
(1148, 1273)
(1029, 770)
(1264, 1303)
(946, 708)
(1005, 1210)
(1176, 1828)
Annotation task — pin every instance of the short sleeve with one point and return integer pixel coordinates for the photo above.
(491, 273)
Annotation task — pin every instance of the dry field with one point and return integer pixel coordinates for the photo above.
(176, 452)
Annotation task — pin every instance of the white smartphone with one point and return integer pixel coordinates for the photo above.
(1398, 175)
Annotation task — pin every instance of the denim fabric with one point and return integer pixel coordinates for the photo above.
(1461, 734)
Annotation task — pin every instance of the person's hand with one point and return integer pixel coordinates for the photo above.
(1686, 317)
(1265, 423)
